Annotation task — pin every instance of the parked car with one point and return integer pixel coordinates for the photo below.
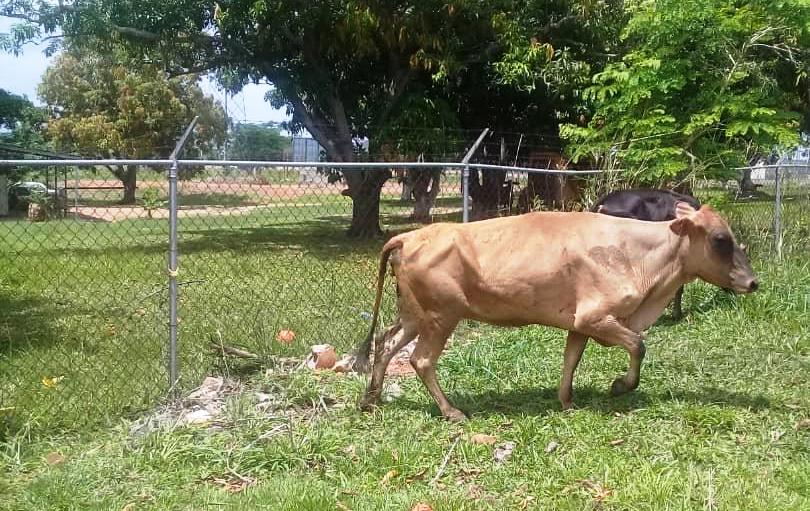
(19, 194)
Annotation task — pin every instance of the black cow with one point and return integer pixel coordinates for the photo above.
(649, 205)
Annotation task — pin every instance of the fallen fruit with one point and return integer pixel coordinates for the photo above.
(322, 356)
(285, 336)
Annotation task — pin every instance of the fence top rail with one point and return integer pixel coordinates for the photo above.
(288, 164)
(776, 166)
(82, 163)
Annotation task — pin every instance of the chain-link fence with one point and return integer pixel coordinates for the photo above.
(264, 262)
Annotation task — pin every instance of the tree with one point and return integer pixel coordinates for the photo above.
(343, 67)
(21, 126)
(108, 107)
(340, 67)
(12, 109)
(423, 130)
(702, 87)
(257, 142)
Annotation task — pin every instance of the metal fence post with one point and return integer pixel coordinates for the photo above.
(777, 213)
(465, 194)
(465, 177)
(174, 370)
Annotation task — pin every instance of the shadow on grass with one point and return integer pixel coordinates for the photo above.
(542, 401)
(25, 322)
(406, 220)
(324, 238)
(440, 202)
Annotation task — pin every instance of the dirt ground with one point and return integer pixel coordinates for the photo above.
(254, 195)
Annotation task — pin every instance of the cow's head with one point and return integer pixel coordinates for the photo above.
(714, 255)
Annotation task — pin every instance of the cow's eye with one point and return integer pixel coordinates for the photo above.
(722, 244)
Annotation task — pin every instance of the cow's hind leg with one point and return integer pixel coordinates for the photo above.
(424, 358)
(609, 332)
(574, 346)
(382, 356)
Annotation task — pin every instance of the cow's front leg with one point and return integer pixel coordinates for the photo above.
(608, 331)
(574, 346)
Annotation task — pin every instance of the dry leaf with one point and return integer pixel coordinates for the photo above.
(552, 446)
(776, 435)
(343, 507)
(388, 476)
(417, 476)
(231, 485)
(285, 336)
(129, 507)
(802, 424)
(618, 441)
(400, 367)
(395, 455)
(504, 451)
(392, 392)
(483, 439)
(344, 365)
(597, 491)
(792, 406)
(471, 472)
(351, 452)
(54, 458)
(422, 507)
(475, 491)
(525, 504)
(51, 383)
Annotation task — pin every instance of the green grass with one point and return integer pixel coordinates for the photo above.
(711, 427)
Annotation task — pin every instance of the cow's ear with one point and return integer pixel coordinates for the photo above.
(684, 218)
(683, 209)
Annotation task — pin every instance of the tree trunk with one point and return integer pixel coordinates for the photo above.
(488, 193)
(365, 196)
(426, 189)
(407, 188)
(747, 186)
(128, 177)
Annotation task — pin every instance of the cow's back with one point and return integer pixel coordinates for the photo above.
(531, 268)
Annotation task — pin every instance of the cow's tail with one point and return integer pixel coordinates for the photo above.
(363, 351)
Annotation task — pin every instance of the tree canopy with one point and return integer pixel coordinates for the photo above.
(343, 67)
(667, 88)
(104, 107)
(702, 86)
(257, 142)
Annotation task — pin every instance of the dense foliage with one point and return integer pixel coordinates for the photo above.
(107, 108)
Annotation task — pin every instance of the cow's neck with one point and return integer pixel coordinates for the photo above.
(663, 269)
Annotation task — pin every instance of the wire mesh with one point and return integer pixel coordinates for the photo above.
(265, 265)
(82, 286)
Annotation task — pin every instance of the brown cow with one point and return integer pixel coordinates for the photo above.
(597, 276)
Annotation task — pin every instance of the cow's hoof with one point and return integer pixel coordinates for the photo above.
(367, 403)
(455, 415)
(619, 387)
(567, 406)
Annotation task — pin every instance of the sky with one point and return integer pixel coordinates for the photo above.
(21, 74)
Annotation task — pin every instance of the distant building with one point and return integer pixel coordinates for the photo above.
(305, 149)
